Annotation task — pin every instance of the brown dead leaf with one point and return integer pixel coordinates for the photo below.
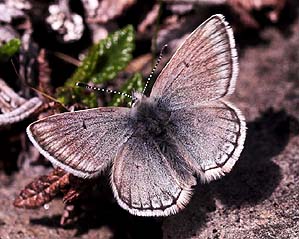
(43, 189)
(244, 9)
(77, 186)
(69, 215)
(150, 19)
(44, 73)
(139, 64)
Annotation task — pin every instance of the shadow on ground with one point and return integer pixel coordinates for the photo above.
(255, 176)
(253, 179)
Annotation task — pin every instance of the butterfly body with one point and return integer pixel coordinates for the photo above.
(150, 115)
(185, 128)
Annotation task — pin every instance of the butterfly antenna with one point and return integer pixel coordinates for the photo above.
(80, 84)
(15, 69)
(155, 67)
(36, 90)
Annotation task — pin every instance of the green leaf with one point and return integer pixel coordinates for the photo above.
(105, 59)
(102, 63)
(134, 83)
(9, 49)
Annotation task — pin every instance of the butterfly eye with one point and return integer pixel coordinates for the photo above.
(133, 102)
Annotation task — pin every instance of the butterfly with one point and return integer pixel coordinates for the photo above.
(157, 148)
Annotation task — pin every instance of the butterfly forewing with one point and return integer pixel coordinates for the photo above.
(145, 183)
(82, 142)
(203, 69)
(211, 135)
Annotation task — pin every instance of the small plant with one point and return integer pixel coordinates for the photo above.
(10, 48)
(102, 63)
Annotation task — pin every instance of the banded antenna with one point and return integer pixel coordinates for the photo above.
(80, 84)
(154, 69)
(86, 86)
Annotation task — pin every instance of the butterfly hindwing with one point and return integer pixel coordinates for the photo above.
(82, 142)
(211, 135)
(146, 183)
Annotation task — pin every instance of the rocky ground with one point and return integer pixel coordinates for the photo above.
(258, 199)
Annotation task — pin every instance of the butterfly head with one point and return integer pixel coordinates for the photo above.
(137, 98)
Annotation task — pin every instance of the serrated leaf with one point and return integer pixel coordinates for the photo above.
(9, 49)
(134, 83)
(105, 59)
(102, 63)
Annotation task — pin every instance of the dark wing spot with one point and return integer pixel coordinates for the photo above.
(84, 125)
(186, 64)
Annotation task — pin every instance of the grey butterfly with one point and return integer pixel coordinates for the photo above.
(161, 144)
